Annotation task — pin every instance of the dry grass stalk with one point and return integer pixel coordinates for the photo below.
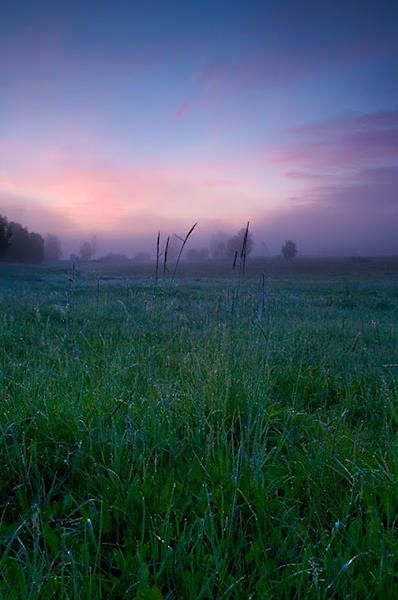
(184, 241)
(157, 257)
(166, 251)
(243, 253)
(235, 259)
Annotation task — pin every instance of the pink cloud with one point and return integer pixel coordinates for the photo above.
(301, 175)
(182, 110)
(215, 79)
(97, 195)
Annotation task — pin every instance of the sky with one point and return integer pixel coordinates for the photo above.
(123, 118)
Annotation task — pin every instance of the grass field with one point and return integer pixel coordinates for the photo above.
(208, 439)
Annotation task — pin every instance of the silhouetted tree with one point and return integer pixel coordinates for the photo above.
(86, 251)
(19, 246)
(235, 243)
(5, 235)
(24, 246)
(289, 250)
(52, 247)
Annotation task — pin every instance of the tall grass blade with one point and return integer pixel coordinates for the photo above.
(166, 252)
(184, 241)
(243, 253)
(157, 257)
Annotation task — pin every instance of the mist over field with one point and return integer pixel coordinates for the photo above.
(333, 219)
(332, 231)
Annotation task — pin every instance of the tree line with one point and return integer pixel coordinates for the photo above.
(18, 244)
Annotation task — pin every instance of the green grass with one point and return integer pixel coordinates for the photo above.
(205, 440)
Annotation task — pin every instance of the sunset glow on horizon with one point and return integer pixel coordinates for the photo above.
(121, 119)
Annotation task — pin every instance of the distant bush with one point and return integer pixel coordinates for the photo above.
(289, 250)
(113, 258)
(86, 251)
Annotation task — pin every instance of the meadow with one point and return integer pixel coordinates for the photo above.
(218, 437)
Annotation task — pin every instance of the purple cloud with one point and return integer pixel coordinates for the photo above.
(343, 143)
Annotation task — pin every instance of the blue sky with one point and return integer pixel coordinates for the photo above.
(118, 119)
